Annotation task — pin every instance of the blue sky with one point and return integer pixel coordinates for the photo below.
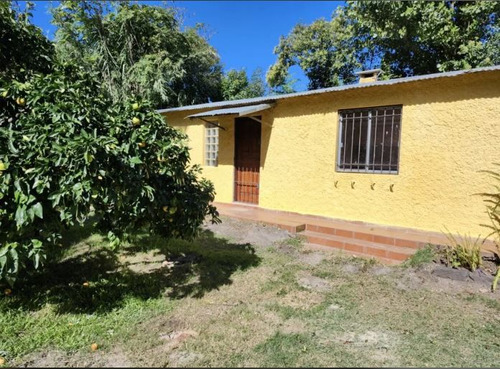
(243, 32)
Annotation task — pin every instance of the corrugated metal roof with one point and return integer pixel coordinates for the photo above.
(240, 111)
(269, 99)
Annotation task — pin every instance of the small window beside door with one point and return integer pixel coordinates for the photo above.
(211, 145)
(369, 140)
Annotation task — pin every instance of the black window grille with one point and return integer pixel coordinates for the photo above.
(369, 140)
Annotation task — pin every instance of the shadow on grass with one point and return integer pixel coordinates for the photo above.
(198, 267)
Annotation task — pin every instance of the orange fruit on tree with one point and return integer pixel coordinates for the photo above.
(85, 284)
(7, 291)
(136, 121)
(142, 144)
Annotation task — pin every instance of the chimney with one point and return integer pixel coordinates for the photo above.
(366, 76)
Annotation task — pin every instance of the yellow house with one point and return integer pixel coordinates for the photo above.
(405, 153)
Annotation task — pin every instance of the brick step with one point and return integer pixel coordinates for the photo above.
(349, 244)
(373, 235)
(295, 222)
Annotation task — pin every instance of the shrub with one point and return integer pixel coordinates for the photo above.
(422, 256)
(465, 252)
(492, 200)
(66, 151)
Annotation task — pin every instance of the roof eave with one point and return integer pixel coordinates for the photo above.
(271, 99)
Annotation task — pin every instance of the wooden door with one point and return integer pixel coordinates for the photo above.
(246, 160)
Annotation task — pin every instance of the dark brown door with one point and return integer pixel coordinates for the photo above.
(246, 160)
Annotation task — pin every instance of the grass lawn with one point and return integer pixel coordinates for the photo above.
(225, 302)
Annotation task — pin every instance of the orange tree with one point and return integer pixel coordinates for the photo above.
(67, 152)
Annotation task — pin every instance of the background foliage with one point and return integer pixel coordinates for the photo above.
(403, 38)
(236, 85)
(139, 49)
(23, 48)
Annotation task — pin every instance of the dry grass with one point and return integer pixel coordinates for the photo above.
(272, 309)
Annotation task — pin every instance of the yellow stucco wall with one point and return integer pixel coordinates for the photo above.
(450, 131)
(222, 175)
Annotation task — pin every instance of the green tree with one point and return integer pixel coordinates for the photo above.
(66, 152)
(236, 85)
(403, 38)
(23, 48)
(287, 87)
(257, 86)
(139, 49)
(324, 50)
(414, 38)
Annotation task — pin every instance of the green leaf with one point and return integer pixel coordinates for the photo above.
(20, 215)
(14, 258)
(136, 160)
(3, 262)
(88, 157)
(11, 147)
(38, 209)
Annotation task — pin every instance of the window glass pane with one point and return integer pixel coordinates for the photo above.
(369, 139)
(354, 138)
(211, 145)
(377, 139)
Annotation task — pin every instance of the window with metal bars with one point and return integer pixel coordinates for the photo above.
(369, 140)
(211, 145)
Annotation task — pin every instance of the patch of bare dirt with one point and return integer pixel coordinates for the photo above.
(116, 358)
(442, 279)
(302, 299)
(312, 258)
(167, 352)
(183, 358)
(381, 270)
(168, 336)
(287, 249)
(351, 268)
(241, 231)
(48, 359)
(313, 283)
(377, 345)
(293, 326)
